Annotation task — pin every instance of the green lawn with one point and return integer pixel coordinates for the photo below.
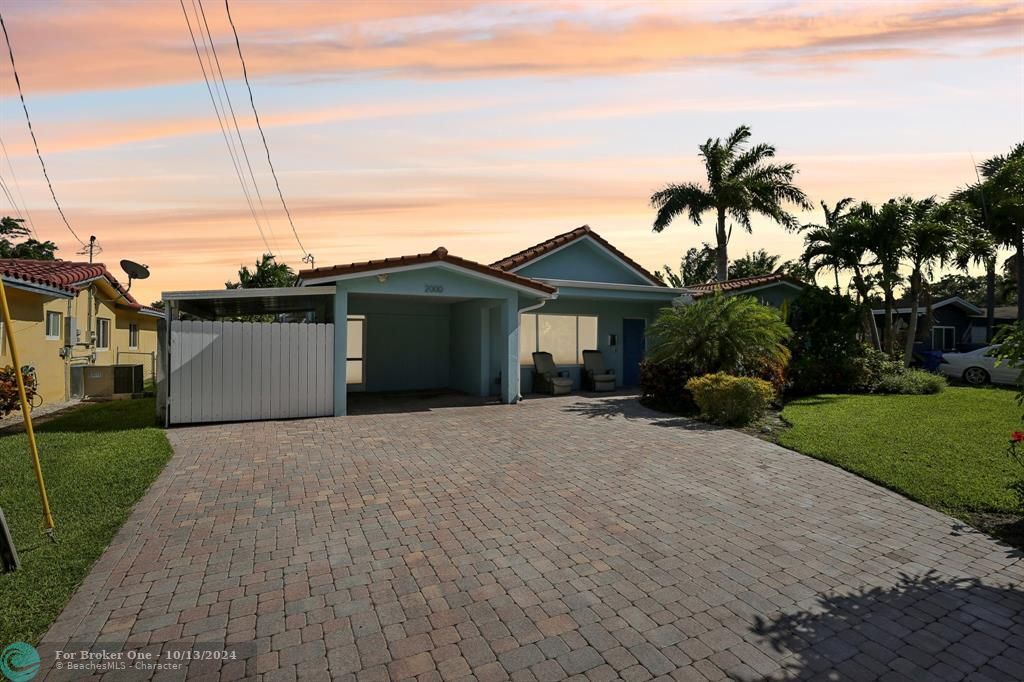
(947, 451)
(98, 461)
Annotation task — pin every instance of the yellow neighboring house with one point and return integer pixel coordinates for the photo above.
(70, 316)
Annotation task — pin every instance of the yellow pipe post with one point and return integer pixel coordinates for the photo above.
(47, 516)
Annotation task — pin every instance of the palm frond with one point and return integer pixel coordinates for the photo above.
(674, 200)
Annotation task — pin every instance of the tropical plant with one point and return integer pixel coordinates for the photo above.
(267, 274)
(730, 400)
(1002, 190)
(717, 333)
(740, 181)
(825, 344)
(929, 241)
(975, 244)
(30, 248)
(883, 233)
(759, 262)
(825, 247)
(696, 267)
(10, 398)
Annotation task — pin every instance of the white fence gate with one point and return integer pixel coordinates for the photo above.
(243, 371)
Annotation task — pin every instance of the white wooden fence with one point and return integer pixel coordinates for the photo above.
(241, 371)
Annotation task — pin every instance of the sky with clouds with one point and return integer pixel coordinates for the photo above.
(400, 126)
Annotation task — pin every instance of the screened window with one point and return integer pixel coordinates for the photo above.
(355, 355)
(102, 334)
(52, 325)
(133, 336)
(564, 336)
(944, 338)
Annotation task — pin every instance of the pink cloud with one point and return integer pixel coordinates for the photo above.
(94, 46)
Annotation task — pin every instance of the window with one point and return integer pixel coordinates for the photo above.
(102, 334)
(354, 356)
(564, 336)
(52, 325)
(944, 338)
(133, 336)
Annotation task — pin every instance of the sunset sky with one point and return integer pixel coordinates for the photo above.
(397, 126)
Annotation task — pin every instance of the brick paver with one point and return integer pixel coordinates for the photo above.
(558, 537)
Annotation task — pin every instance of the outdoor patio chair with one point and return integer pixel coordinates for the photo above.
(595, 376)
(547, 378)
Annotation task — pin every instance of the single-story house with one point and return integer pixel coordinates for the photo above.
(952, 322)
(773, 289)
(978, 329)
(427, 321)
(69, 316)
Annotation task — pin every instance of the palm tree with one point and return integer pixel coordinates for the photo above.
(740, 182)
(824, 247)
(929, 239)
(883, 232)
(718, 333)
(975, 244)
(1002, 190)
(759, 262)
(268, 273)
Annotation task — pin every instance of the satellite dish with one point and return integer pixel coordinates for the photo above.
(134, 270)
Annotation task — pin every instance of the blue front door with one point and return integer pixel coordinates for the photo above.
(632, 350)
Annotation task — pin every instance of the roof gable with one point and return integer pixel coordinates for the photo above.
(67, 278)
(439, 255)
(580, 255)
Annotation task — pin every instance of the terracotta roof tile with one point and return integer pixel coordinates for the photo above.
(67, 276)
(742, 283)
(526, 255)
(439, 254)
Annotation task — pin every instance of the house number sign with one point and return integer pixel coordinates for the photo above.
(433, 288)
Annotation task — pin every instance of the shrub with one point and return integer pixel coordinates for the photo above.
(911, 382)
(826, 344)
(663, 386)
(9, 388)
(717, 333)
(731, 400)
(871, 368)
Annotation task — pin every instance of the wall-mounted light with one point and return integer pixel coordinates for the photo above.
(612, 339)
(383, 277)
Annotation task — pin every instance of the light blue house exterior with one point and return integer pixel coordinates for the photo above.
(436, 321)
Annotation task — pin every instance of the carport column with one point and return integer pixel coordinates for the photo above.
(510, 329)
(340, 351)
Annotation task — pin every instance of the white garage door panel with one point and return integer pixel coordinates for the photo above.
(244, 371)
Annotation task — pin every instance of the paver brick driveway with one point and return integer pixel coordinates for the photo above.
(560, 537)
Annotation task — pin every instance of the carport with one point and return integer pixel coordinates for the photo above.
(425, 322)
(415, 323)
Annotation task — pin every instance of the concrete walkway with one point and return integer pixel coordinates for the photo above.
(559, 538)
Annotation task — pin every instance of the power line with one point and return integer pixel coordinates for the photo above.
(17, 187)
(223, 130)
(245, 74)
(231, 109)
(10, 52)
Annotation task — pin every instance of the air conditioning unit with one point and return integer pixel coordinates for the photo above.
(71, 335)
(111, 380)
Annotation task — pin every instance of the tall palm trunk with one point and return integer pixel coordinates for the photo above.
(838, 292)
(990, 298)
(889, 333)
(870, 328)
(722, 254)
(915, 301)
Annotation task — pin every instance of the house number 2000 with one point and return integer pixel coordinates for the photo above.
(433, 288)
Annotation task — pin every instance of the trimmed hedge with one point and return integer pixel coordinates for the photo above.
(730, 400)
(663, 386)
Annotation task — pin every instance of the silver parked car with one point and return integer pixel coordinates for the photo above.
(978, 367)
